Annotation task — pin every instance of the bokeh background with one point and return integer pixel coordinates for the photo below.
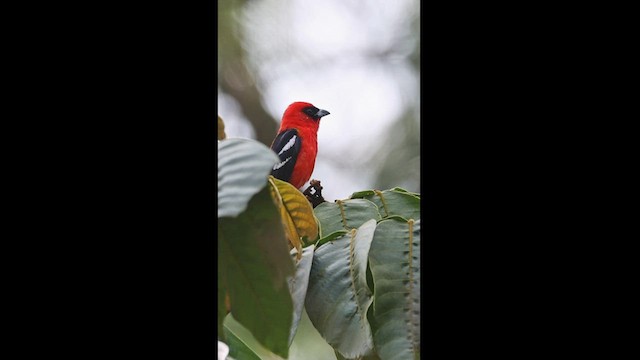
(358, 59)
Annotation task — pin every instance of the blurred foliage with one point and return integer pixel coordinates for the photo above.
(392, 231)
(367, 258)
(240, 76)
(235, 78)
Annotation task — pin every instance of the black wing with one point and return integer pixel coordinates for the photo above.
(287, 146)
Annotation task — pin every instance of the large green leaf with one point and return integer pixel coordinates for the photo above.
(345, 215)
(298, 285)
(338, 296)
(243, 168)
(393, 202)
(255, 263)
(395, 265)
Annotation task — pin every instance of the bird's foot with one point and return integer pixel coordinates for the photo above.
(314, 193)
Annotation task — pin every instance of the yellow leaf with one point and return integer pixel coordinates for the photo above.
(221, 134)
(296, 212)
(289, 227)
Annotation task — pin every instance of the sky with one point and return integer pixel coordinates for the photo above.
(347, 57)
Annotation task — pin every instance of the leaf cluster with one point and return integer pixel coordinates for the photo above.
(352, 265)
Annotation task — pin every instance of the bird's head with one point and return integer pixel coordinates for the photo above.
(303, 113)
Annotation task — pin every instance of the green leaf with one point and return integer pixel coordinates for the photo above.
(243, 168)
(222, 309)
(396, 217)
(334, 235)
(242, 344)
(361, 194)
(298, 285)
(368, 357)
(308, 344)
(338, 296)
(395, 265)
(392, 202)
(405, 191)
(238, 347)
(255, 263)
(345, 215)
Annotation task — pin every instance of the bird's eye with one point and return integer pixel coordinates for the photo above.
(311, 111)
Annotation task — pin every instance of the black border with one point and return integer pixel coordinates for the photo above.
(120, 182)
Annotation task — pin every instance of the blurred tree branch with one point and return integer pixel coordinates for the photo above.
(234, 78)
(401, 161)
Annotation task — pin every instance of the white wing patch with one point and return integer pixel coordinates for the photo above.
(281, 164)
(288, 146)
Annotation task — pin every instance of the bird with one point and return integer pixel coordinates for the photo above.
(296, 143)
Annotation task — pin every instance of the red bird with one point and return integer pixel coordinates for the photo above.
(297, 143)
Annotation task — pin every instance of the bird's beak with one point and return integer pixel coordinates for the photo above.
(321, 113)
